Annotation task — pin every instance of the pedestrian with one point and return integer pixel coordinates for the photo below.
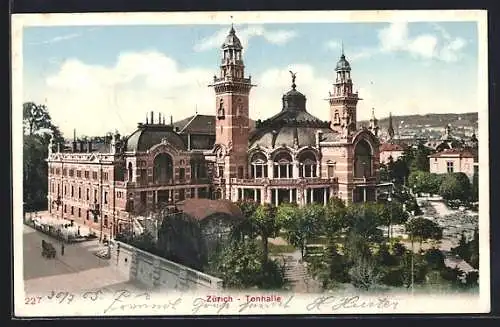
(62, 249)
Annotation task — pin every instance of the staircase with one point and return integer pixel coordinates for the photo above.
(296, 274)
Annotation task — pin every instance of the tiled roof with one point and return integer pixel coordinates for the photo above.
(200, 124)
(203, 208)
(390, 147)
(453, 152)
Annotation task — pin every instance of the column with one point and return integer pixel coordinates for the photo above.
(290, 191)
(276, 196)
(364, 194)
(255, 194)
(318, 169)
(331, 192)
(324, 196)
(270, 169)
(295, 169)
(312, 195)
(304, 196)
(376, 194)
(156, 196)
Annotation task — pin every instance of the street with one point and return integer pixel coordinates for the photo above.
(78, 269)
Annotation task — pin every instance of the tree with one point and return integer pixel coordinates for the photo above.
(240, 266)
(334, 217)
(264, 220)
(363, 271)
(475, 187)
(363, 219)
(421, 158)
(38, 130)
(423, 229)
(247, 227)
(455, 186)
(392, 214)
(424, 182)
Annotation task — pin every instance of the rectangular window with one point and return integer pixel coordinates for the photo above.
(65, 172)
(86, 174)
(72, 210)
(88, 216)
(193, 190)
(79, 212)
(449, 166)
(105, 176)
(182, 194)
(94, 175)
(221, 171)
(105, 222)
(71, 173)
(88, 194)
(96, 218)
(57, 171)
(105, 197)
(182, 174)
(95, 196)
(331, 171)
(65, 209)
(72, 191)
(79, 173)
(79, 192)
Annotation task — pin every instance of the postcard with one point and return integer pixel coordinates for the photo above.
(250, 163)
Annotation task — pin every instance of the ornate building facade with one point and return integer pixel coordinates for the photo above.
(291, 157)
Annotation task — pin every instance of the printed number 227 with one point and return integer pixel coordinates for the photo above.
(32, 300)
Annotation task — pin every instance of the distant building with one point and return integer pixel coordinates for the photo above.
(390, 150)
(453, 161)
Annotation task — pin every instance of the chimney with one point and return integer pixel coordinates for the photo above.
(159, 118)
(82, 147)
(74, 143)
(89, 146)
(171, 120)
(146, 119)
(163, 119)
(152, 118)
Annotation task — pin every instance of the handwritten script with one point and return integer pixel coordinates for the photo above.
(333, 303)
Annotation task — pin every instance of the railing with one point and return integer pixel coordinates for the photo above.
(371, 179)
(219, 180)
(283, 181)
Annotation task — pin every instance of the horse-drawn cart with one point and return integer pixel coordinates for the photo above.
(48, 250)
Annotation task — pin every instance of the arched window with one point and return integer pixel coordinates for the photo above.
(220, 111)
(258, 164)
(163, 170)
(130, 172)
(283, 167)
(307, 164)
(362, 160)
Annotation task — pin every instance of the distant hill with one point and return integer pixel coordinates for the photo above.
(431, 120)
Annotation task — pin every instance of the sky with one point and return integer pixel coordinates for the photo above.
(98, 79)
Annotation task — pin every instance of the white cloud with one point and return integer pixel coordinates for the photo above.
(396, 37)
(278, 37)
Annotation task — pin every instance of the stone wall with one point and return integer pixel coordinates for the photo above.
(156, 272)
